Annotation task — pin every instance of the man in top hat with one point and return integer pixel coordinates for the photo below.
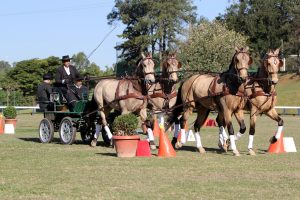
(43, 93)
(77, 92)
(65, 76)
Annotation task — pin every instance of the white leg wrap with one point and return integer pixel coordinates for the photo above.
(251, 138)
(232, 142)
(225, 136)
(221, 139)
(238, 136)
(109, 135)
(97, 132)
(162, 122)
(198, 139)
(183, 136)
(279, 131)
(176, 130)
(150, 134)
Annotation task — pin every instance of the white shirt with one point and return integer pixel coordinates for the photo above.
(67, 69)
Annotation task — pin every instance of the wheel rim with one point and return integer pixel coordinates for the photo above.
(66, 131)
(45, 131)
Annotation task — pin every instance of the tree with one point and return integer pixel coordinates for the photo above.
(150, 24)
(80, 61)
(266, 22)
(210, 46)
(4, 65)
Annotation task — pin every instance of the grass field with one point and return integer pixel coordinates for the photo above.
(31, 170)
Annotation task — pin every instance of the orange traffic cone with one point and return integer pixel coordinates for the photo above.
(165, 147)
(278, 146)
(1, 125)
(156, 129)
(143, 149)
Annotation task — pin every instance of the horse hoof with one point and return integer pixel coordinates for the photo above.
(94, 143)
(236, 153)
(251, 152)
(178, 145)
(152, 147)
(273, 139)
(201, 150)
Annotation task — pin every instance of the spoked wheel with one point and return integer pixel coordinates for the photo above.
(46, 131)
(67, 131)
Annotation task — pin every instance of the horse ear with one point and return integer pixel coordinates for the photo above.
(276, 52)
(250, 61)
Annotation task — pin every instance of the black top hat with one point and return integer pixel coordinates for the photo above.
(66, 58)
(47, 77)
(79, 77)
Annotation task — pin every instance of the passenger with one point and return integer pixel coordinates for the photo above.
(65, 76)
(77, 92)
(43, 93)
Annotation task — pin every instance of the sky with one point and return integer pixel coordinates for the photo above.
(39, 29)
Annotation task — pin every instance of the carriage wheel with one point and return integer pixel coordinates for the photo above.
(46, 131)
(67, 131)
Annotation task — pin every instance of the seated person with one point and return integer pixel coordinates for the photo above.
(43, 93)
(64, 77)
(77, 92)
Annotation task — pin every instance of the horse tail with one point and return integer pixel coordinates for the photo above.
(178, 107)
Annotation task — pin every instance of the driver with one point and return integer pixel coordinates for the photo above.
(65, 76)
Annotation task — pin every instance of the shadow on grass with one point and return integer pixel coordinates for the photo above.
(107, 154)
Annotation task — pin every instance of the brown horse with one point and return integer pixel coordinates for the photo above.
(125, 95)
(260, 90)
(163, 93)
(207, 92)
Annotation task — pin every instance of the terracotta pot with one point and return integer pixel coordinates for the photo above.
(126, 145)
(11, 121)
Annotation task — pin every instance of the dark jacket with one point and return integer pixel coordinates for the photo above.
(61, 75)
(78, 93)
(43, 95)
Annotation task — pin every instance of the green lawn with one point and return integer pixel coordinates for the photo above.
(31, 170)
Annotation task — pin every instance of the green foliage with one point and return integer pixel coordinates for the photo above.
(4, 66)
(125, 124)
(267, 23)
(210, 46)
(10, 112)
(150, 24)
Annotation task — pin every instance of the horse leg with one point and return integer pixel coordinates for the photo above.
(274, 115)
(183, 122)
(239, 115)
(252, 132)
(223, 137)
(202, 114)
(228, 123)
(176, 132)
(143, 115)
(103, 114)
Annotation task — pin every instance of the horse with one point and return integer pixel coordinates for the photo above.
(164, 92)
(262, 96)
(205, 92)
(124, 95)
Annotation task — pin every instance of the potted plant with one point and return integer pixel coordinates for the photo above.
(10, 114)
(125, 136)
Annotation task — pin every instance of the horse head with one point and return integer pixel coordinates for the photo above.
(145, 69)
(170, 68)
(271, 65)
(241, 62)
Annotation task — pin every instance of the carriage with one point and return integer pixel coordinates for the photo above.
(67, 123)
